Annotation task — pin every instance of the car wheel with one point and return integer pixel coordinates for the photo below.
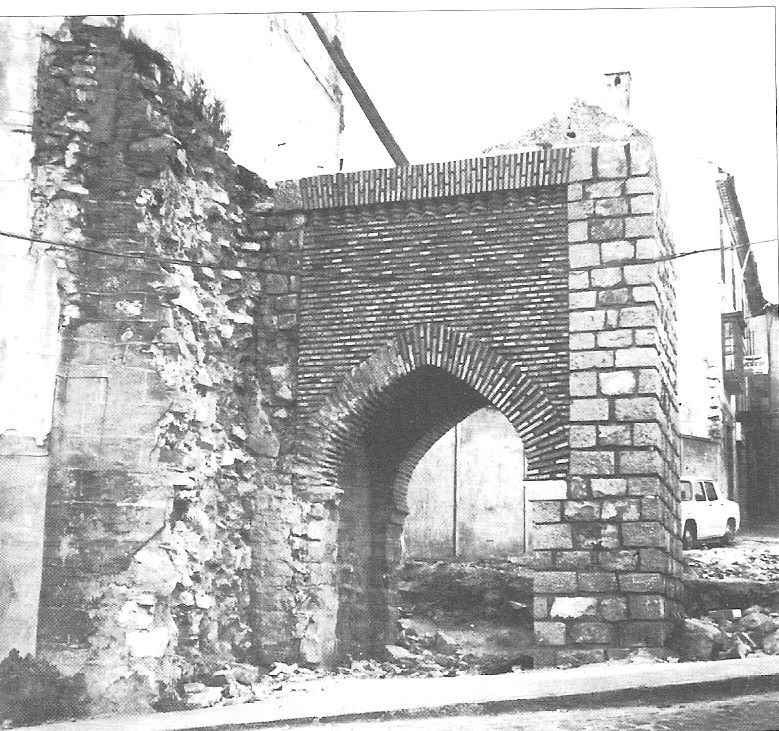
(730, 536)
(689, 535)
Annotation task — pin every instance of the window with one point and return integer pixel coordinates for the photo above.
(729, 348)
(711, 493)
(750, 342)
(700, 496)
(686, 486)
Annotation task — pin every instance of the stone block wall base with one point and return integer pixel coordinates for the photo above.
(544, 657)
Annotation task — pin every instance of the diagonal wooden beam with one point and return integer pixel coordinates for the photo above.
(336, 53)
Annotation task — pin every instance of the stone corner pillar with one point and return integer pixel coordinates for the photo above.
(608, 552)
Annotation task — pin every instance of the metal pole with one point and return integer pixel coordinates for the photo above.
(337, 55)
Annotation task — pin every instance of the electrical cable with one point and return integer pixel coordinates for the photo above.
(125, 255)
(201, 265)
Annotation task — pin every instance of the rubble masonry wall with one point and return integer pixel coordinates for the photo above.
(165, 553)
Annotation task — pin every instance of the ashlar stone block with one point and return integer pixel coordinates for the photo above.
(582, 341)
(607, 228)
(643, 534)
(648, 606)
(642, 204)
(576, 510)
(641, 583)
(613, 608)
(584, 320)
(550, 633)
(640, 185)
(608, 486)
(610, 207)
(591, 359)
(582, 435)
(600, 633)
(638, 408)
(639, 316)
(641, 157)
(604, 189)
(632, 462)
(637, 226)
(583, 383)
(577, 231)
(554, 582)
(617, 382)
(553, 535)
(606, 277)
(612, 161)
(615, 435)
(581, 209)
(621, 510)
(584, 255)
(574, 607)
(592, 463)
(589, 409)
(581, 164)
(598, 581)
(620, 560)
(617, 251)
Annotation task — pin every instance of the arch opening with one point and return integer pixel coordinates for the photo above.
(386, 440)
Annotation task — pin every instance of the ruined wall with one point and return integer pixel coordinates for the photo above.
(608, 546)
(174, 381)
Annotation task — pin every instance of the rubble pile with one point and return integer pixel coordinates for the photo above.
(730, 633)
(458, 617)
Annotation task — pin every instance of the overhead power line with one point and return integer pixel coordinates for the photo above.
(130, 255)
(261, 270)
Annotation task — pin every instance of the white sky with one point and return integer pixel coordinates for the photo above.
(450, 84)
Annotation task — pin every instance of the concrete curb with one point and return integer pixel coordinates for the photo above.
(358, 698)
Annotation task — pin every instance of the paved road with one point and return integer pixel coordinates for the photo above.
(744, 713)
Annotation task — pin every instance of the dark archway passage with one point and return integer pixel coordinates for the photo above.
(388, 437)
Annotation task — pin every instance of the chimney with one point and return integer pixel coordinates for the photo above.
(618, 92)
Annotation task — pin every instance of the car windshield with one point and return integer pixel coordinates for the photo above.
(700, 496)
(686, 486)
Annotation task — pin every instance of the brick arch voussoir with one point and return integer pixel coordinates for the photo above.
(502, 383)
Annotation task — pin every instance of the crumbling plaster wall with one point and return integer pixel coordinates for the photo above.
(28, 347)
(166, 555)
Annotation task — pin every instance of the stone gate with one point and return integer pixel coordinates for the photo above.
(247, 378)
(533, 283)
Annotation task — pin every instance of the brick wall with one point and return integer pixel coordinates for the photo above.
(426, 293)
(492, 265)
(440, 266)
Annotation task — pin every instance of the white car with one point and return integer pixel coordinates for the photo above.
(706, 514)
